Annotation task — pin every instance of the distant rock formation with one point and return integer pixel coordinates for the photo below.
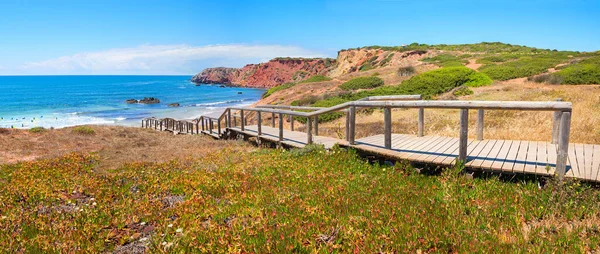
(281, 70)
(176, 104)
(146, 100)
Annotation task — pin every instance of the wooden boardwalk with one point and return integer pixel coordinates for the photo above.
(291, 138)
(502, 156)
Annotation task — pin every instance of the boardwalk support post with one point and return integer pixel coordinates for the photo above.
(464, 135)
(563, 144)
(210, 123)
(280, 128)
(421, 122)
(351, 124)
(309, 130)
(480, 115)
(387, 119)
(229, 118)
(273, 120)
(243, 124)
(347, 125)
(259, 122)
(219, 126)
(316, 125)
(556, 124)
(292, 122)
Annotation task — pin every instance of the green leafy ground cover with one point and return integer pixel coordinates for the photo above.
(362, 83)
(266, 200)
(586, 71)
(274, 89)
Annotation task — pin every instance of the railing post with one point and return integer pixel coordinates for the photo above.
(309, 130)
(351, 124)
(259, 122)
(234, 121)
(219, 126)
(273, 120)
(316, 125)
(387, 121)
(464, 135)
(197, 128)
(243, 124)
(202, 120)
(563, 144)
(421, 124)
(280, 127)
(292, 122)
(229, 118)
(161, 125)
(142, 123)
(480, 115)
(556, 124)
(210, 124)
(347, 125)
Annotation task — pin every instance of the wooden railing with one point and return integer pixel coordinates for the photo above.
(560, 134)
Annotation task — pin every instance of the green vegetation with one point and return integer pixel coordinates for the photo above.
(484, 47)
(316, 78)
(462, 91)
(362, 83)
(546, 78)
(446, 60)
(498, 58)
(523, 67)
(275, 201)
(37, 130)
(427, 84)
(586, 71)
(274, 89)
(84, 130)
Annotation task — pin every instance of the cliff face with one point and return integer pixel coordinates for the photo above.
(282, 70)
(266, 75)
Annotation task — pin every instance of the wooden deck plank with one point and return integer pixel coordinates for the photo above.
(531, 158)
(476, 163)
(596, 161)
(491, 157)
(511, 157)
(572, 161)
(450, 159)
(519, 166)
(404, 139)
(542, 166)
(430, 151)
(589, 157)
(446, 152)
(474, 154)
(551, 148)
(501, 156)
(580, 160)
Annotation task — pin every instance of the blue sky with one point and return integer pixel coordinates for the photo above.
(183, 37)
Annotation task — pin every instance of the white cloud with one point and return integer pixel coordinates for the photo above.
(163, 59)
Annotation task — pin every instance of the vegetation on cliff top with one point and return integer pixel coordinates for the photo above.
(316, 78)
(278, 88)
(266, 200)
(362, 83)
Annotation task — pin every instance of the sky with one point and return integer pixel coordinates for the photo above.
(74, 37)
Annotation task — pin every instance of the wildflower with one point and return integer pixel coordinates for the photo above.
(81, 210)
(94, 204)
(170, 225)
(4, 217)
(92, 199)
(179, 230)
(143, 239)
(164, 243)
(142, 223)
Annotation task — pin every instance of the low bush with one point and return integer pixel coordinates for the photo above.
(362, 83)
(586, 71)
(478, 79)
(37, 130)
(546, 78)
(406, 71)
(462, 91)
(272, 90)
(84, 130)
(446, 60)
(524, 67)
(316, 78)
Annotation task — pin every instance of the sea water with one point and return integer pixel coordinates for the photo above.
(62, 101)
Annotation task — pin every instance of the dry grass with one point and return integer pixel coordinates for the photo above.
(114, 144)
(524, 125)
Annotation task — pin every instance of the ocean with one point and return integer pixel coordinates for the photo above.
(62, 101)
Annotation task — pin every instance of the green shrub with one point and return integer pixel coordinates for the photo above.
(316, 78)
(375, 74)
(478, 79)
(84, 130)
(274, 89)
(406, 71)
(546, 78)
(586, 71)
(463, 91)
(446, 60)
(497, 58)
(427, 84)
(308, 149)
(306, 100)
(524, 67)
(362, 83)
(366, 66)
(37, 130)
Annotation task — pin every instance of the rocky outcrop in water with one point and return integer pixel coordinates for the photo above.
(147, 100)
